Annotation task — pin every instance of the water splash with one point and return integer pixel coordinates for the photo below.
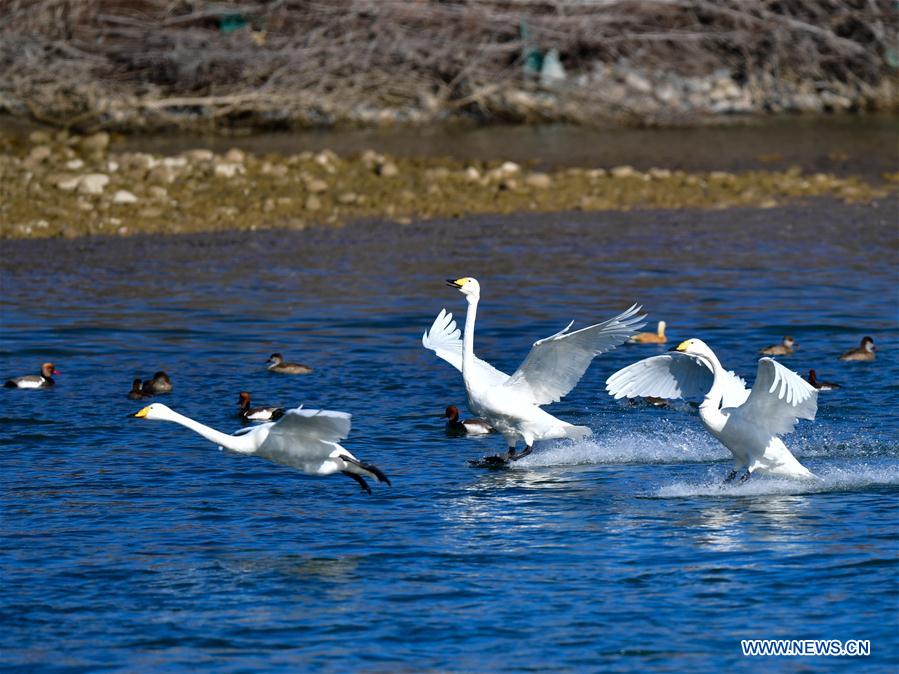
(846, 478)
(665, 445)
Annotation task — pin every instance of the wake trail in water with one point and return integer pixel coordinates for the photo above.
(661, 446)
(670, 442)
(829, 479)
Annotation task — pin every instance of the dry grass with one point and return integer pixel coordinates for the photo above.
(90, 63)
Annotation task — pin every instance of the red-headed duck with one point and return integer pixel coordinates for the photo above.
(248, 413)
(42, 380)
(467, 427)
(821, 385)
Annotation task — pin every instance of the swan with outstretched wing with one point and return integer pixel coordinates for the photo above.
(512, 404)
(747, 422)
(303, 439)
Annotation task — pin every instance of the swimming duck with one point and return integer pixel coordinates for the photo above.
(160, 383)
(785, 348)
(467, 427)
(865, 351)
(42, 380)
(821, 385)
(136, 392)
(276, 363)
(303, 439)
(657, 337)
(248, 413)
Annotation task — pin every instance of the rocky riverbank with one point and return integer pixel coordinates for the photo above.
(68, 185)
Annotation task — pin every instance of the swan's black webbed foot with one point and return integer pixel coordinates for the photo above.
(494, 461)
(370, 467)
(514, 457)
(731, 476)
(359, 479)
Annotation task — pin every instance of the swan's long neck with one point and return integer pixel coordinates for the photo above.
(468, 337)
(711, 404)
(240, 443)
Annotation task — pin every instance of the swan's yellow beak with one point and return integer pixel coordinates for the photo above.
(458, 283)
(683, 346)
(144, 412)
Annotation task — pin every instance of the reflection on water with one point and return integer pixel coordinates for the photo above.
(139, 546)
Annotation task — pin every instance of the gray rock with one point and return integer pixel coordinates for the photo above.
(93, 183)
(124, 197)
(317, 186)
(387, 170)
(95, 143)
(540, 181)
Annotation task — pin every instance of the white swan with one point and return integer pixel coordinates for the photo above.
(302, 439)
(555, 364)
(747, 422)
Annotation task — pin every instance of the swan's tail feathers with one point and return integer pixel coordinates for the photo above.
(577, 432)
(358, 467)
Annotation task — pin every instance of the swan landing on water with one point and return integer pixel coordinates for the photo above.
(747, 422)
(511, 404)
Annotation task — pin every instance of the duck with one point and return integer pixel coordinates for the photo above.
(747, 422)
(466, 427)
(785, 348)
(276, 363)
(821, 385)
(304, 439)
(160, 383)
(248, 413)
(864, 351)
(137, 392)
(657, 337)
(512, 404)
(42, 380)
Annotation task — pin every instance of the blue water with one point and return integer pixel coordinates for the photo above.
(137, 546)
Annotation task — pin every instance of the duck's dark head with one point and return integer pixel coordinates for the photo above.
(161, 376)
(135, 385)
(275, 359)
(47, 370)
(812, 377)
(789, 342)
(243, 399)
(868, 344)
(452, 413)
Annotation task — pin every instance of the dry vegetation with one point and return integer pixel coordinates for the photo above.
(136, 63)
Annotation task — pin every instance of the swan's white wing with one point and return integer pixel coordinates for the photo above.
(305, 424)
(303, 438)
(674, 375)
(445, 339)
(556, 364)
(779, 399)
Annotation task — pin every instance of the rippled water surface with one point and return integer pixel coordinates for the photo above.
(137, 546)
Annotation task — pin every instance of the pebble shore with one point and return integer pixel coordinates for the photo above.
(54, 185)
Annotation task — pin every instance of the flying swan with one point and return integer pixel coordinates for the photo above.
(747, 422)
(553, 367)
(302, 439)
